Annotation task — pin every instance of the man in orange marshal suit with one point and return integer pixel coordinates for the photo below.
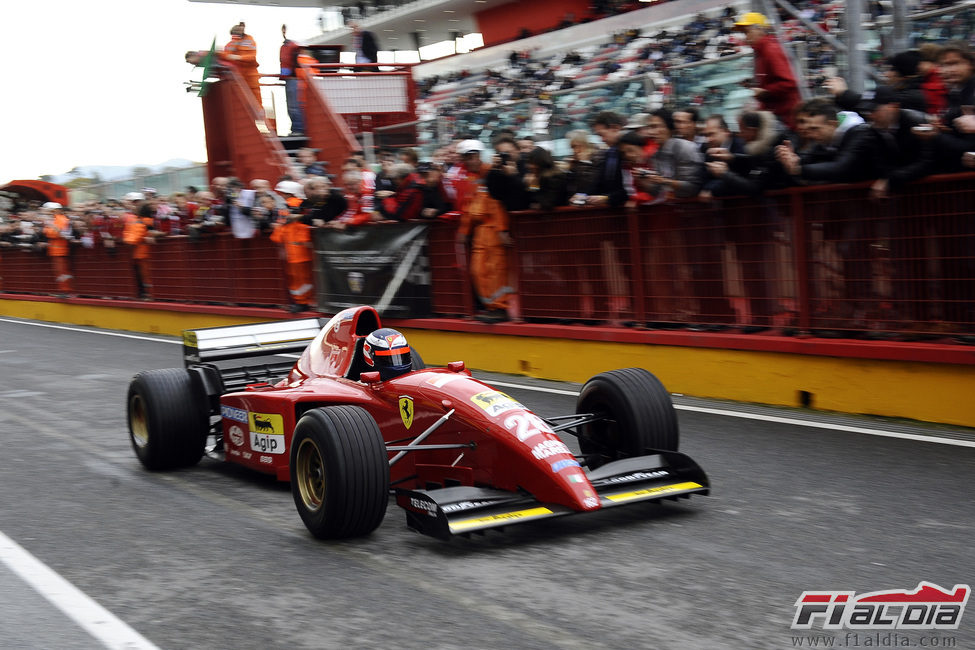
(241, 52)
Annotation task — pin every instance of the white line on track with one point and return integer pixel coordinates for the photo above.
(571, 393)
(774, 418)
(111, 631)
(81, 329)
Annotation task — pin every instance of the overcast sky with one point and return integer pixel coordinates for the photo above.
(100, 82)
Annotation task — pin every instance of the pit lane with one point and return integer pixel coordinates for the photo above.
(216, 556)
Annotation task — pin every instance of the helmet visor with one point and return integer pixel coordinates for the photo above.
(395, 358)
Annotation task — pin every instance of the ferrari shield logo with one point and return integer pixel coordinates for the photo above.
(406, 410)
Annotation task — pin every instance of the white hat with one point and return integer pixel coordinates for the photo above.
(288, 187)
(469, 146)
(134, 196)
(51, 205)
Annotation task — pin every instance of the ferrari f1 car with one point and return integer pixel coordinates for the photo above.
(460, 456)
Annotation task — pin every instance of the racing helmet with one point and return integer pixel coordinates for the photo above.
(387, 351)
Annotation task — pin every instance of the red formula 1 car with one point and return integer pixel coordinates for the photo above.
(460, 456)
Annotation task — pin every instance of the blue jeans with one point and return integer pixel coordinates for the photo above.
(294, 108)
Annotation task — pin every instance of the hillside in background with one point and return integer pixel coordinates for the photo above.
(116, 172)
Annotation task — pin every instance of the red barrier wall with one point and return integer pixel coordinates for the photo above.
(504, 23)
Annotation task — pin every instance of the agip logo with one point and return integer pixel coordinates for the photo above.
(266, 423)
(928, 607)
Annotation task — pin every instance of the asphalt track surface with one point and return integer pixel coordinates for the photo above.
(217, 557)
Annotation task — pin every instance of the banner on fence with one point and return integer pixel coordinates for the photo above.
(383, 265)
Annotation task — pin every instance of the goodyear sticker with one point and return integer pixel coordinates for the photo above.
(495, 402)
(406, 410)
(653, 492)
(477, 522)
(266, 432)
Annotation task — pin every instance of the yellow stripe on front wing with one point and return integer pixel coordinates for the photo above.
(504, 516)
(653, 492)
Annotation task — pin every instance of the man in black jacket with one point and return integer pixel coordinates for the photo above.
(850, 144)
(847, 138)
(607, 188)
(901, 156)
(957, 65)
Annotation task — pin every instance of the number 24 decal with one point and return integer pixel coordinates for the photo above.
(526, 425)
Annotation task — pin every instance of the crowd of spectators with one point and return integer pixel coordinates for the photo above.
(920, 122)
(656, 52)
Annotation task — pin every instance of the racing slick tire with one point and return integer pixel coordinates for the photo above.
(638, 414)
(168, 419)
(416, 359)
(339, 472)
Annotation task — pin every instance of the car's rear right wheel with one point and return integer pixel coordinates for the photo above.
(339, 472)
(168, 419)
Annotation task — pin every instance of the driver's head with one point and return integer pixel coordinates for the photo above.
(387, 351)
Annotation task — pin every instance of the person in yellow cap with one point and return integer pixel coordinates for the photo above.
(775, 83)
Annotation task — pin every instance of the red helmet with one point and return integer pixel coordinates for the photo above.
(387, 351)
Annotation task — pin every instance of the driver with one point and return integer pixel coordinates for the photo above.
(387, 351)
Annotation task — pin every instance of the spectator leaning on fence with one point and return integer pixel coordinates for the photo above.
(958, 122)
(484, 226)
(359, 202)
(607, 188)
(545, 185)
(435, 199)
(844, 135)
(295, 237)
(406, 202)
(139, 235)
(579, 168)
(677, 165)
(57, 230)
(901, 154)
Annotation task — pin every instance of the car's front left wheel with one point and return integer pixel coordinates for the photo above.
(339, 472)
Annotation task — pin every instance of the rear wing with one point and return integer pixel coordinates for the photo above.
(269, 348)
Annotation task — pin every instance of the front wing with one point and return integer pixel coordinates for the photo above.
(445, 512)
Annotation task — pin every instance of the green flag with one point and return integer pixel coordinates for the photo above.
(207, 64)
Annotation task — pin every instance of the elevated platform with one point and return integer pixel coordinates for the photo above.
(932, 381)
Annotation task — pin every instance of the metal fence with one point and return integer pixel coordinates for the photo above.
(824, 259)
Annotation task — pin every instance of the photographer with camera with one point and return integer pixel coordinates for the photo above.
(505, 178)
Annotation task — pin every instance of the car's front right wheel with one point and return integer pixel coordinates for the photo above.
(635, 414)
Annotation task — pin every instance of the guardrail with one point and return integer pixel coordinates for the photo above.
(824, 258)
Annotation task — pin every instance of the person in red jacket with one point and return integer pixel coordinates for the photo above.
(932, 85)
(241, 52)
(289, 61)
(775, 83)
(57, 230)
(406, 202)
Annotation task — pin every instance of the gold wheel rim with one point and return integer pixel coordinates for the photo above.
(138, 421)
(310, 473)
